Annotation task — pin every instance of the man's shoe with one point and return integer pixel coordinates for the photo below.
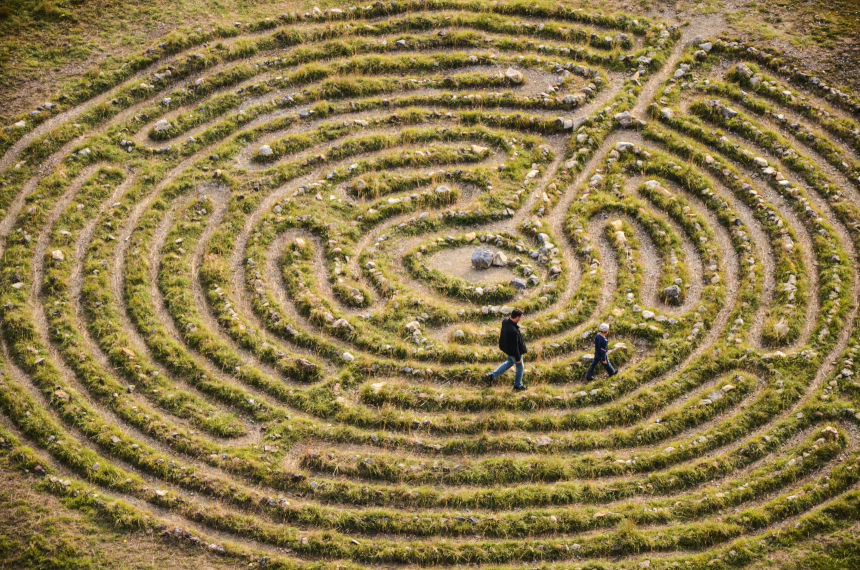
(488, 378)
(520, 388)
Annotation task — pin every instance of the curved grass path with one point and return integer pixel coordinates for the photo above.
(230, 311)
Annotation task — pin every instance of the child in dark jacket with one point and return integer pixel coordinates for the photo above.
(601, 353)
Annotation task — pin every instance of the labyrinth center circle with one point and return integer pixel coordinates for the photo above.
(241, 303)
(458, 262)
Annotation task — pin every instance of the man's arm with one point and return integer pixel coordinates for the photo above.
(518, 339)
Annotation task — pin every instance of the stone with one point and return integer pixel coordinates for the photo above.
(161, 126)
(573, 99)
(518, 283)
(672, 294)
(347, 357)
(780, 328)
(624, 119)
(667, 113)
(482, 258)
(500, 259)
(265, 150)
(706, 47)
(514, 76)
(647, 315)
(58, 255)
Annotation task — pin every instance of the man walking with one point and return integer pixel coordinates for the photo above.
(511, 343)
(601, 353)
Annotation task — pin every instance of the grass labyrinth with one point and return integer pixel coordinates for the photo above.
(236, 305)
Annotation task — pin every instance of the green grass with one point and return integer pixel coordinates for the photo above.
(258, 426)
(57, 38)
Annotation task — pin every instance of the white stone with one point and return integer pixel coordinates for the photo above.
(780, 328)
(624, 119)
(513, 75)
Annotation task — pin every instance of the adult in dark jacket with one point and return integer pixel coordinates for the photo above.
(601, 353)
(512, 344)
